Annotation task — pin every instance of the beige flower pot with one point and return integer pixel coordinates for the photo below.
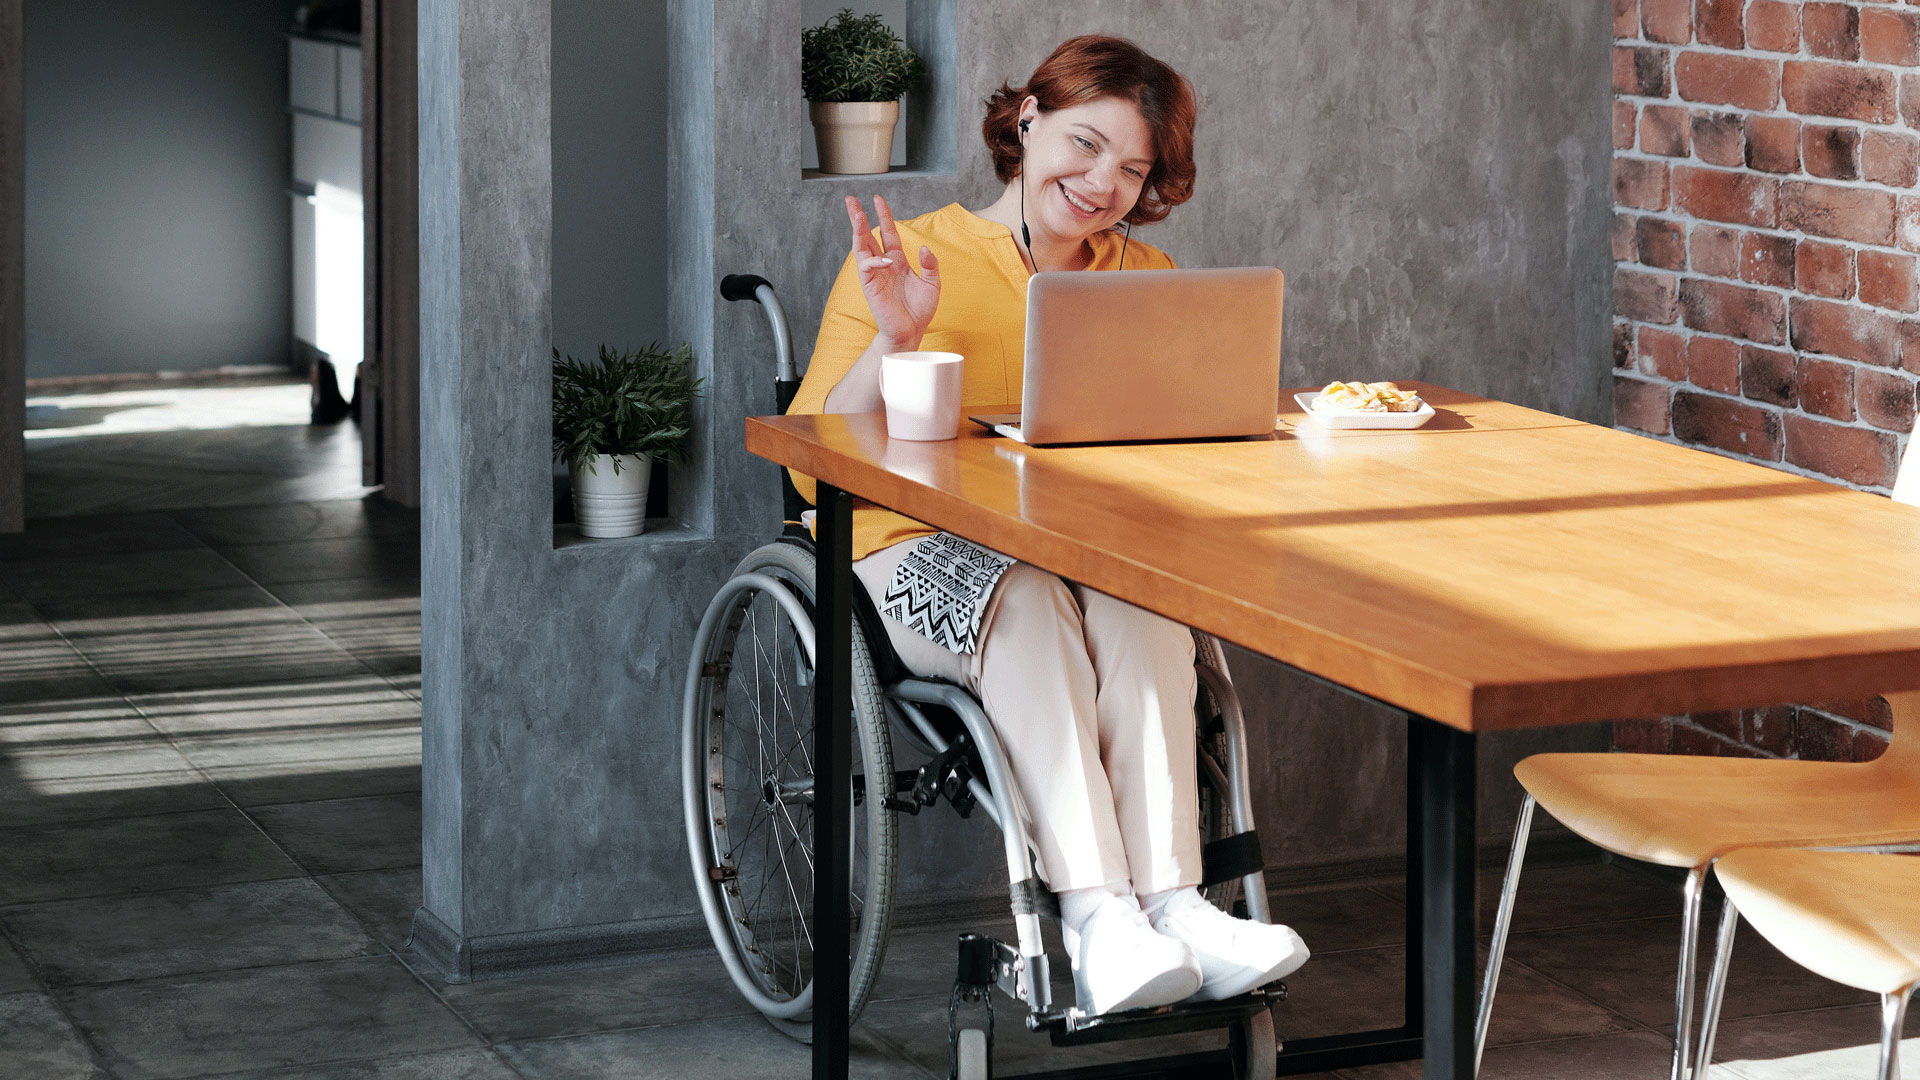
(854, 136)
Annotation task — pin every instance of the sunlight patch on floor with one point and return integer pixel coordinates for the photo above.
(112, 412)
(1841, 1063)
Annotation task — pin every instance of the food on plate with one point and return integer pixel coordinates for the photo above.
(1377, 397)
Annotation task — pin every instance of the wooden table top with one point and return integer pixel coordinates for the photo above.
(1498, 568)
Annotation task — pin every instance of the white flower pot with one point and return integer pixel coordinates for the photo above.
(607, 502)
(854, 136)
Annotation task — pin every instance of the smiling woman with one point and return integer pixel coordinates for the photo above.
(1092, 698)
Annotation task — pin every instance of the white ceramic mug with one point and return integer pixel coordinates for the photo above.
(922, 394)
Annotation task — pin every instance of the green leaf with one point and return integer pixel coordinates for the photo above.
(636, 402)
(849, 58)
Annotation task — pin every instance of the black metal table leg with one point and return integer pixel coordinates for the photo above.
(1442, 771)
(832, 784)
(1416, 984)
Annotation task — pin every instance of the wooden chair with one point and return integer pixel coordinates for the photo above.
(1688, 811)
(1850, 916)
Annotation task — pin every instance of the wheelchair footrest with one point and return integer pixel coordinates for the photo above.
(1071, 1027)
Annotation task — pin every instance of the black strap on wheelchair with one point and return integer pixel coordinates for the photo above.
(1030, 897)
(1231, 857)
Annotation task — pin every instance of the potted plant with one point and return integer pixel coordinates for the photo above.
(610, 420)
(853, 71)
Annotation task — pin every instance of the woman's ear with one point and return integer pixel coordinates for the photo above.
(1029, 111)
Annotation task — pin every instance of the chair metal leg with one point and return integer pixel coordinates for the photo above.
(1502, 922)
(1893, 1017)
(1716, 988)
(1683, 990)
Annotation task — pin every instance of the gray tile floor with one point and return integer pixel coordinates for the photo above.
(209, 845)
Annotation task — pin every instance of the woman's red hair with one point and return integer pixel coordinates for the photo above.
(1093, 66)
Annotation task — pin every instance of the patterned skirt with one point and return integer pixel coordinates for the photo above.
(941, 590)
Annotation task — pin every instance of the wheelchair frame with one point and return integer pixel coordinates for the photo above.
(973, 754)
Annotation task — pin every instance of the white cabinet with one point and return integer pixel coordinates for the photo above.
(326, 151)
(323, 102)
(313, 77)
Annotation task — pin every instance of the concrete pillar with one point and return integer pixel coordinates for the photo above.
(13, 271)
(551, 668)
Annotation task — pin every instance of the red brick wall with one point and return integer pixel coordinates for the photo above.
(1766, 303)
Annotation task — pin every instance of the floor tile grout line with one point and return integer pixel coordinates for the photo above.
(62, 823)
(1665, 1031)
(296, 612)
(367, 924)
(169, 890)
(688, 1023)
(198, 769)
(1632, 1024)
(94, 1052)
(292, 1070)
(173, 515)
(171, 742)
(249, 578)
(207, 778)
(377, 950)
(427, 983)
(383, 952)
(901, 1054)
(145, 717)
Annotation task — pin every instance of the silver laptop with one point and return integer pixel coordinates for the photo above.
(1149, 355)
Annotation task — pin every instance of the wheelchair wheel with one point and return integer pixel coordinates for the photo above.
(1253, 1046)
(972, 1059)
(748, 785)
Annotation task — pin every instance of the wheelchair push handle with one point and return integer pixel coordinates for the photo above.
(786, 380)
(740, 286)
(755, 287)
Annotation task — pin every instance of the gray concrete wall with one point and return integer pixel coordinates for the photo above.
(156, 185)
(1433, 179)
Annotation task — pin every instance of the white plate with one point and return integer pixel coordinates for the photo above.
(1354, 418)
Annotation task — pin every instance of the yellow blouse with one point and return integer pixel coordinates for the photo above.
(982, 316)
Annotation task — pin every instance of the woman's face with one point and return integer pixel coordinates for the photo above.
(1084, 165)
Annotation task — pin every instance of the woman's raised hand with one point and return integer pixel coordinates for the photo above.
(901, 299)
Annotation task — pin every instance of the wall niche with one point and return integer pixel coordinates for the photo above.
(924, 141)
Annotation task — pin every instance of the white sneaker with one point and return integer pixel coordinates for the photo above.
(1235, 955)
(1119, 963)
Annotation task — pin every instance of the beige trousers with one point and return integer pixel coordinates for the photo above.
(1093, 700)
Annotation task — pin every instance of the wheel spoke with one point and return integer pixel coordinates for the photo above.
(805, 851)
(792, 890)
(758, 820)
(778, 688)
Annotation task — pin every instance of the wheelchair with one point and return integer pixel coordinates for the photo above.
(747, 733)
